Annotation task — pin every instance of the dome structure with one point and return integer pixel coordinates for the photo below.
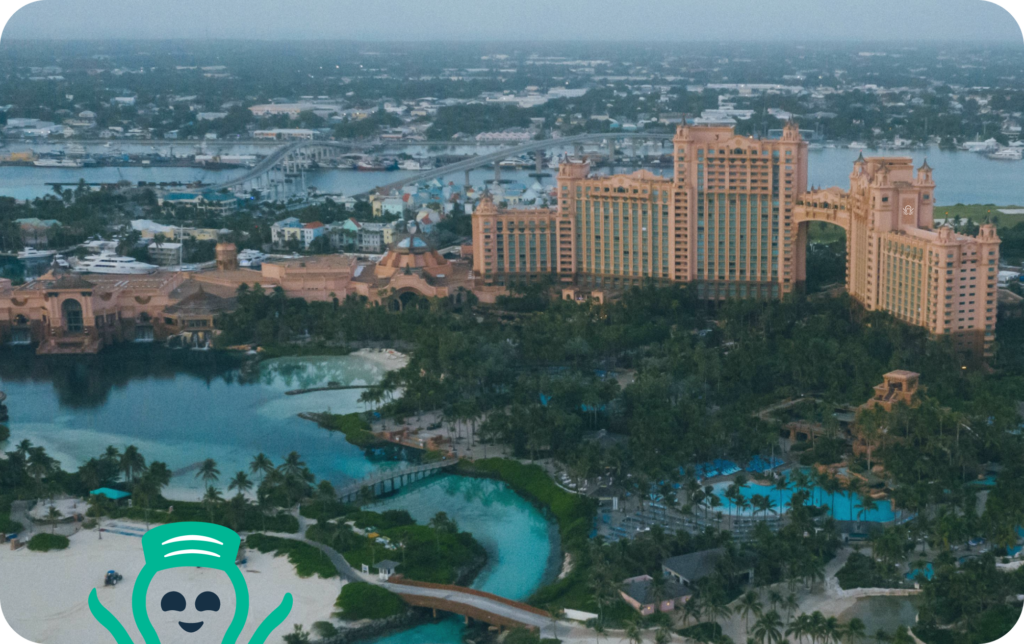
(412, 253)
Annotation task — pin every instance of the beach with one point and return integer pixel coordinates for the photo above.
(387, 358)
(44, 596)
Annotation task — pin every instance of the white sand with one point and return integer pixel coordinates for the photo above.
(44, 595)
(387, 358)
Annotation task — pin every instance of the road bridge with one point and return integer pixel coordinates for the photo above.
(390, 480)
(293, 157)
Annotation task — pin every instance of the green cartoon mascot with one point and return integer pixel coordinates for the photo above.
(189, 544)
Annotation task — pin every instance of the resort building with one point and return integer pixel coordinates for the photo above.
(71, 313)
(733, 222)
(896, 260)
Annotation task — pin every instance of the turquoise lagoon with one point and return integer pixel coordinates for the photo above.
(183, 407)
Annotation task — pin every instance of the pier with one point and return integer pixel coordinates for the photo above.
(391, 480)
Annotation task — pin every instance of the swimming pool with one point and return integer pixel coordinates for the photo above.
(844, 507)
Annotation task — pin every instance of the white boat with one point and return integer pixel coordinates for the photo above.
(61, 262)
(410, 164)
(250, 258)
(57, 163)
(988, 145)
(815, 146)
(32, 253)
(857, 145)
(1008, 154)
(107, 263)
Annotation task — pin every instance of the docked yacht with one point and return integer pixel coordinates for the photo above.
(250, 258)
(32, 253)
(857, 145)
(1008, 154)
(107, 263)
(57, 163)
(410, 164)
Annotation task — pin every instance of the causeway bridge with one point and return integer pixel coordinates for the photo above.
(390, 480)
(292, 158)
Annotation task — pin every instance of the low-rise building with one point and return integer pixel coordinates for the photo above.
(285, 134)
(643, 595)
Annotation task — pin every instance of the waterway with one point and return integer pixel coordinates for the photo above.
(883, 613)
(182, 407)
(960, 177)
(519, 541)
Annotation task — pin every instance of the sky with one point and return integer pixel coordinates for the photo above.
(891, 21)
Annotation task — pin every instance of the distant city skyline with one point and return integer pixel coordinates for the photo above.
(522, 20)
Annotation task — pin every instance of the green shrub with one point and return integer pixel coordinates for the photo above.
(353, 426)
(308, 560)
(703, 632)
(324, 630)
(360, 600)
(5, 433)
(7, 525)
(381, 520)
(574, 513)
(246, 519)
(325, 510)
(45, 542)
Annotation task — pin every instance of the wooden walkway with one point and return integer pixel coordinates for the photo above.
(391, 480)
(471, 604)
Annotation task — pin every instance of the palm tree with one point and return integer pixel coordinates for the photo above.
(208, 472)
(855, 630)
(799, 628)
(260, 466)
(790, 604)
(781, 485)
(53, 515)
(749, 603)
(240, 482)
(145, 489)
(132, 463)
(23, 447)
(211, 499)
(774, 598)
(633, 633)
(293, 465)
(867, 505)
(663, 635)
(691, 610)
(717, 610)
(768, 628)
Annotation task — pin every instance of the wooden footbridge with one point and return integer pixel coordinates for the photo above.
(387, 481)
(471, 604)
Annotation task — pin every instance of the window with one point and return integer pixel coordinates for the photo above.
(72, 312)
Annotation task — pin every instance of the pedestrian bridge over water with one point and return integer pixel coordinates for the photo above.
(387, 481)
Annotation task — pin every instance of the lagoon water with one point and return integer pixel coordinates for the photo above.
(75, 408)
(961, 177)
(182, 407)
(519, 541)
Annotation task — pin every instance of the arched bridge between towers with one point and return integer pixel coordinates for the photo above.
(297, 154)
(831, 206)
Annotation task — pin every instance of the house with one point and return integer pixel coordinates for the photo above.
(35, 231)
(164, 253)
(370, 238)
(691, 568)
(311, 231)
(644, 595)
(283, 231)
(387, 205)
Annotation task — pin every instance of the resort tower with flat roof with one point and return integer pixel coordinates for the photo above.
(733, 221)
